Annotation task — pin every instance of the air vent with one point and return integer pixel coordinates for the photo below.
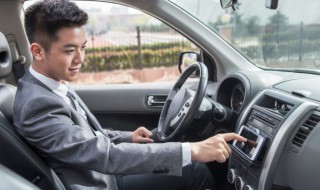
(305, 130)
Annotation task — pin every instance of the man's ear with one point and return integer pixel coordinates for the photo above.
(37, 51)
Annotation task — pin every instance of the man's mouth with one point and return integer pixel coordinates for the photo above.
(74, 69)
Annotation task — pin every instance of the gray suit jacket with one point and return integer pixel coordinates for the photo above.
(82, 160)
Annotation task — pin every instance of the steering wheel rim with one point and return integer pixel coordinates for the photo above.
(182, 104)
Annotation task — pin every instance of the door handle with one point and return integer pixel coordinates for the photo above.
(156, 100)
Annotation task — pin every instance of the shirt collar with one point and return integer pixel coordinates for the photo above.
(57, 87)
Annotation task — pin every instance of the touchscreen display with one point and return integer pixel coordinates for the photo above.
(252, 147)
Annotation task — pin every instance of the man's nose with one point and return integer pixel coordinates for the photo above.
(79, 56)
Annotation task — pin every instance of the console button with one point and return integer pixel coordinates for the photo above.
(231, 176)
(239, 183)
(247, 187)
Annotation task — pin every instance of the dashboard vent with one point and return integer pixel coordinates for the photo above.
(305, 130)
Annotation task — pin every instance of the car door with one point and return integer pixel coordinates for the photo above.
(125, 107)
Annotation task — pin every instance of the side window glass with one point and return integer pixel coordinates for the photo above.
(127, 46)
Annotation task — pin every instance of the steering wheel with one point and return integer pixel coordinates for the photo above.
(182, 104)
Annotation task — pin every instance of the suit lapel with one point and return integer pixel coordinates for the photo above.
(91, 118)
(28, 77)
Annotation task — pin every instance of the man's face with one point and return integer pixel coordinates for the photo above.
(62, 62)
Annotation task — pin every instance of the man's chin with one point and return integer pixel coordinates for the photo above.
(72, 78)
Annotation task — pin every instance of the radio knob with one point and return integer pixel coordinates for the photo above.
(239, 183)
(231, 176)
(247, 187)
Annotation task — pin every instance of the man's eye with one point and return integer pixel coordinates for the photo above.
(69, 51)
(83, 47)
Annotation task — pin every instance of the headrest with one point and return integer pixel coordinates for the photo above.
(5, 57)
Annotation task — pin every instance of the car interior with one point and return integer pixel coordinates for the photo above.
(275, 107)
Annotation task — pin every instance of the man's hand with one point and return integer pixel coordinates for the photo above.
(214, 148)
(141, 135)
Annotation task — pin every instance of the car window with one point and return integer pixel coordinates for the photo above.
(127, 46)
(285, 38)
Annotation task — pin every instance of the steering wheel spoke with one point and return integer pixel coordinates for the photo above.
(172, 94)
(183, 111)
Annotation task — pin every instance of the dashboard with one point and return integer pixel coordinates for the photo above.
(280, 115)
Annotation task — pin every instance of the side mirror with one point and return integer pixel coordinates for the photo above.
(228, 3)
(187, 58)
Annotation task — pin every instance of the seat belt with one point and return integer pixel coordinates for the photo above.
(18, 61)
(18, 68)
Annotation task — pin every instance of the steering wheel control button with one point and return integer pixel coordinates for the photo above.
(182, 113)
(239, 183)
(231, 176)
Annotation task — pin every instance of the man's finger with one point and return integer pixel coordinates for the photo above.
(225, 153)
(227, 147)
(221, 159)
(145, 140)
(233, 136)
(145, 132)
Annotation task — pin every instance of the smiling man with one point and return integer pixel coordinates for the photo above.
(62, 60)
(54, 120)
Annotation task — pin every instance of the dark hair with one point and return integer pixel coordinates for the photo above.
(44, 18)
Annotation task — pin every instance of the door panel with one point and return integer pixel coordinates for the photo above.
(125, 106)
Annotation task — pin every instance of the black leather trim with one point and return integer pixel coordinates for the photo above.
(17, 156)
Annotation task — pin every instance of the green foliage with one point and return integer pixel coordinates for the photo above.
(277, 40)
(278, 19)
(252, 25)
(292, 43)
(126, 57)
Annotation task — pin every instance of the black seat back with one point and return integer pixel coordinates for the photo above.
(15, 153)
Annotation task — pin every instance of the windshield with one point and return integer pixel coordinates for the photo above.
(288, 37)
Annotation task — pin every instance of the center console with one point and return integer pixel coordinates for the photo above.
(260, 123)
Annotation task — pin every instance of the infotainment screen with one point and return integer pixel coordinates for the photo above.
(253, 146)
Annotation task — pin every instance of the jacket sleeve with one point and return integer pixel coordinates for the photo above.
(45, 122)
(119, 136)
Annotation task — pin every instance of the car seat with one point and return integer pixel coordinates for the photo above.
(15, 153)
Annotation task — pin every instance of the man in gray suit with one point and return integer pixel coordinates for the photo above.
(54, 120)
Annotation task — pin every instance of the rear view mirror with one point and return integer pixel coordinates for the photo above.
(228, 3)
(272, 4)
(187, 58)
